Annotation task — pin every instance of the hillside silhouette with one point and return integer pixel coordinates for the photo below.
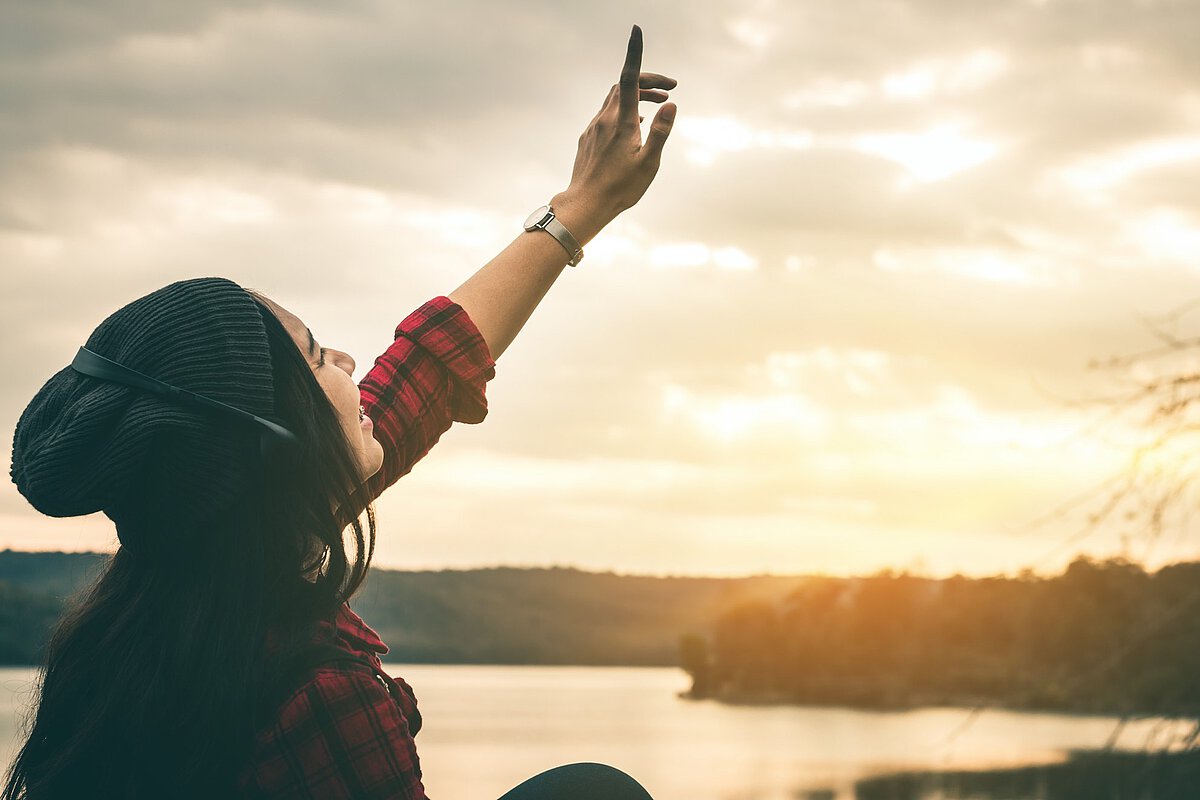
(1103, 637)
(501, 615)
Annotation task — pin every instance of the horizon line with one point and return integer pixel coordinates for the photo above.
(895, 571)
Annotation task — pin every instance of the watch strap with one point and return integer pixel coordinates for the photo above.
(569, 242)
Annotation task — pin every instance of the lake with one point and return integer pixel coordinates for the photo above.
(487, 728)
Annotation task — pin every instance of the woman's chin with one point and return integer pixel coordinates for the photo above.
(374, 461)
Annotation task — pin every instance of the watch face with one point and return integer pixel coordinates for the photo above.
(536, 217)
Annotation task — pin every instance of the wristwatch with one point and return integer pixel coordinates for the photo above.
(544, 219)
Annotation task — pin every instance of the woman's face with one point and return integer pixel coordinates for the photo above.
(336, 377)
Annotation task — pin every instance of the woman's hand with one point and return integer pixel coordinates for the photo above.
(613, 168)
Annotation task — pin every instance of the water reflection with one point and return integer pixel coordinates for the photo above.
(487, 728)
(1084, 776)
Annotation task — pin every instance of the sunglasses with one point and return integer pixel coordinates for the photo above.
(273, 437)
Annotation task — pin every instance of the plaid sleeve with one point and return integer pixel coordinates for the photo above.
(432, 375)
(341, 737)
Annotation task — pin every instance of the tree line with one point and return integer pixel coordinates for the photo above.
(1104, 637)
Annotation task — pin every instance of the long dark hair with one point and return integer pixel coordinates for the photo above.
(152, 676)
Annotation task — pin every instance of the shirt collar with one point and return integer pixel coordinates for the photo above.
(346, 626)
(350, 626)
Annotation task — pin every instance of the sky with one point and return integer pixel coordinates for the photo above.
(848, 328)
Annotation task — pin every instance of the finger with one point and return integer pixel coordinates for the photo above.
(612, 92)
(654, 95)
(660, 128)
(608, 100)
(627, 110)
(652, 80)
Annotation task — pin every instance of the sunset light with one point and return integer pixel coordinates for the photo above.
(729, 400)
(860, 298)
(932, 155)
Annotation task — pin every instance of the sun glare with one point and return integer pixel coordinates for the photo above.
(930, 156)
(709, 137)
(1165, 234)
(731, 417)
(1106, 170)
(945, 76)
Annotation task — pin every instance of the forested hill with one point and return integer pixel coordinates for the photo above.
(1104, 637)
(505, 615)
(483, 616)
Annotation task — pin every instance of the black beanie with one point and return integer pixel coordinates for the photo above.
(158, 469)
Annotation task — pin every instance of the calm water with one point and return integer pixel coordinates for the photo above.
(488, 728)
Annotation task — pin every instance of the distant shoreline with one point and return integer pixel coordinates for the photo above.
(750, 700)
(1104, 638)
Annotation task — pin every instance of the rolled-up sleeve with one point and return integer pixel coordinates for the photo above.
(433, 374)
(341, 737)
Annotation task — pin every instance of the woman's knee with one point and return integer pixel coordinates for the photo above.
(585, 780)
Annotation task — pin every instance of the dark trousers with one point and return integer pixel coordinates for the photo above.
(582, 781)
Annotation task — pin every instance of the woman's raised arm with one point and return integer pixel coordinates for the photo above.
(613, 169)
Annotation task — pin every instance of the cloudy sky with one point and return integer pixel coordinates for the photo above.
(847, 328)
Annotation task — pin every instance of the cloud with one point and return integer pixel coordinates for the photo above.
(860, 293)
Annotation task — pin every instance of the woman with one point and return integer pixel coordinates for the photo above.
(217, 656)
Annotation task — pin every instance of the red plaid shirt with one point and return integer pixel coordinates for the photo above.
(341, 735)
